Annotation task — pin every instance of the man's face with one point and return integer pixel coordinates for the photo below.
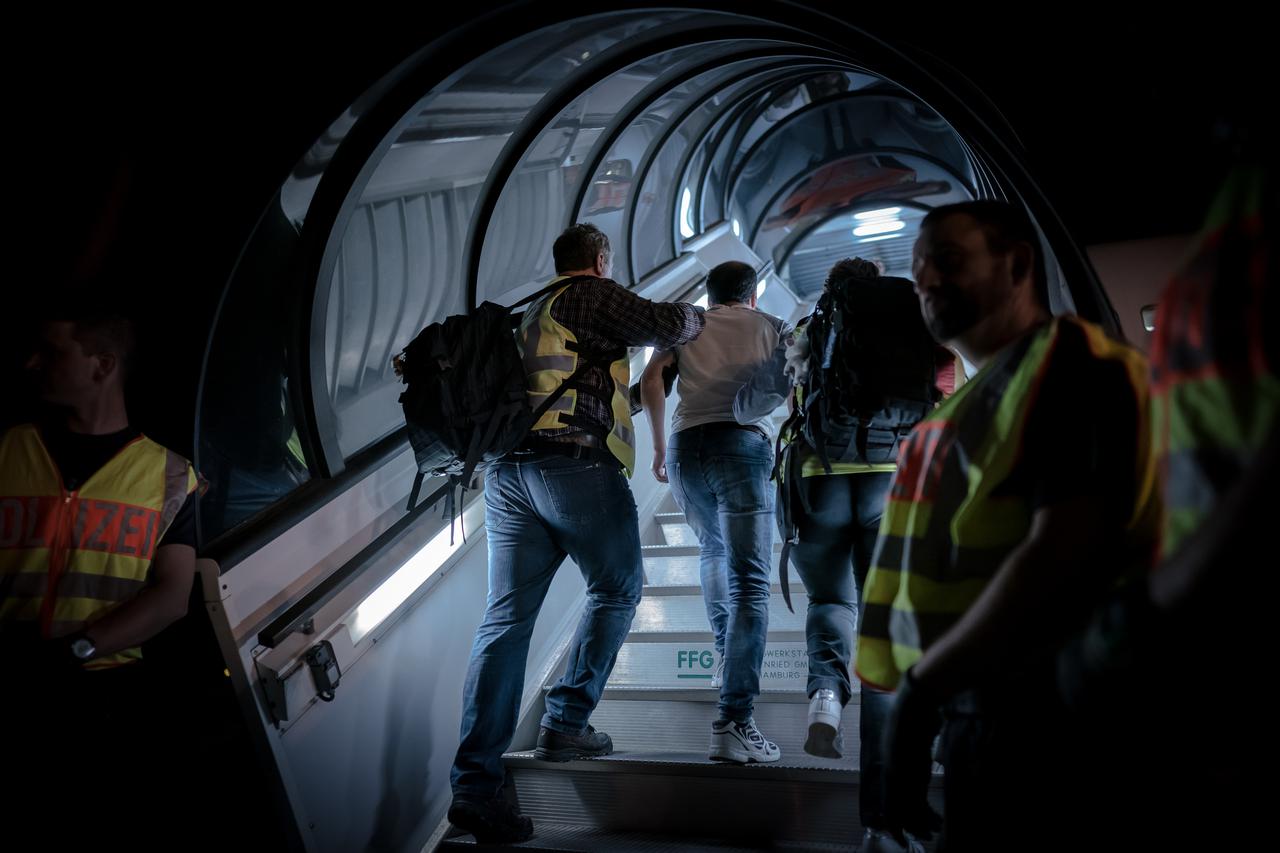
(64, 373)
(958, 279)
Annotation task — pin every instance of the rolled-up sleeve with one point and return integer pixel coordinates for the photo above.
(766, 390)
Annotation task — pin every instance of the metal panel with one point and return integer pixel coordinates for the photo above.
(754, 804)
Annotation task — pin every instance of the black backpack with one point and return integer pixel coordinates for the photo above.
(872, 377)
(466, 404)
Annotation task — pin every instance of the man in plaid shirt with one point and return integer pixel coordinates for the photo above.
(564, 493)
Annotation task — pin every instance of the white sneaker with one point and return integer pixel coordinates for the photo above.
(882, 841)
(717, 678)
(741, 743)
(825, 739)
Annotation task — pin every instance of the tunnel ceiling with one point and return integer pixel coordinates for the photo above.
(446, 184)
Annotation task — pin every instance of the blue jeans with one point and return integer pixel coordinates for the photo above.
(720, 478)
(539, 508)
(837, 537)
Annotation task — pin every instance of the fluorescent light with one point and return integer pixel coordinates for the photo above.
(407, 579)
(458, 139)
(879, 227)
(882, 213)
(648, 354)
(737, 228)
(702, 301)
(686, 222)
(881, 237)
(761, 285)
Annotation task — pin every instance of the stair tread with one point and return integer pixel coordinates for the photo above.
(690, 665)
(686, 613)
(688, 762)
(551, 836)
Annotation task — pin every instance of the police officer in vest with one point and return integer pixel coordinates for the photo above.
(564, 493)
(97, 536)
(1016, 505)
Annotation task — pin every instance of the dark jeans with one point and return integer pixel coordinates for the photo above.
(833, 557)
(837, 537)
(540, 507)
(720, 478)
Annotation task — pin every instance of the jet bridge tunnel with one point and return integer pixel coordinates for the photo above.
(690, 136)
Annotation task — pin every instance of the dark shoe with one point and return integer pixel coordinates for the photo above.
(493, 821)
(558, 746)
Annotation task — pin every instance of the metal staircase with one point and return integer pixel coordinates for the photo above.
(659, 791)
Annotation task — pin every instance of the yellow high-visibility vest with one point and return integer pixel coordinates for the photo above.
(67, 558)
(948, 524)
(550, 357)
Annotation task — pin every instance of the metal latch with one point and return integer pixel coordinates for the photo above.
(324, 669)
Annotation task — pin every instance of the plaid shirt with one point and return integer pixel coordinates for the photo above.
(606, 317)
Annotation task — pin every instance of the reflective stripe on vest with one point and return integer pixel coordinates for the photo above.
(68, 558)
(929, 567)
(1215, 391)
(548, 362)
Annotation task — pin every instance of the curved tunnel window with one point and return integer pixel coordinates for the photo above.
(654, 126)
(401, 264)
(535, 205)
(680, 120)
(836, 182)
(399, 267)
(878, 233)
(753, 119)
(859, 150)
(722, 111)
(247, 444)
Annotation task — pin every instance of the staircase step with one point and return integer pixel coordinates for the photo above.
(690, 665)
(651, 726)
(696, 589)
(704, 694)
(690, 797)
(678, 534)
(568, 838)
(687, 614)
(671, 570)
(653, 551)
(686, 571)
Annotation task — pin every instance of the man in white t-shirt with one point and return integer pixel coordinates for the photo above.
(719, 474)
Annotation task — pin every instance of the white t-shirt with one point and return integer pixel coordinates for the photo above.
(736, 340)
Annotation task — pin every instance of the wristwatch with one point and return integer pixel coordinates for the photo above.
(82, 648)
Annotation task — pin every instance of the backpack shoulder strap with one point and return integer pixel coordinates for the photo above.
(550, 288)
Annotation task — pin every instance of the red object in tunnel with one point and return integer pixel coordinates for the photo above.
(836, 185)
